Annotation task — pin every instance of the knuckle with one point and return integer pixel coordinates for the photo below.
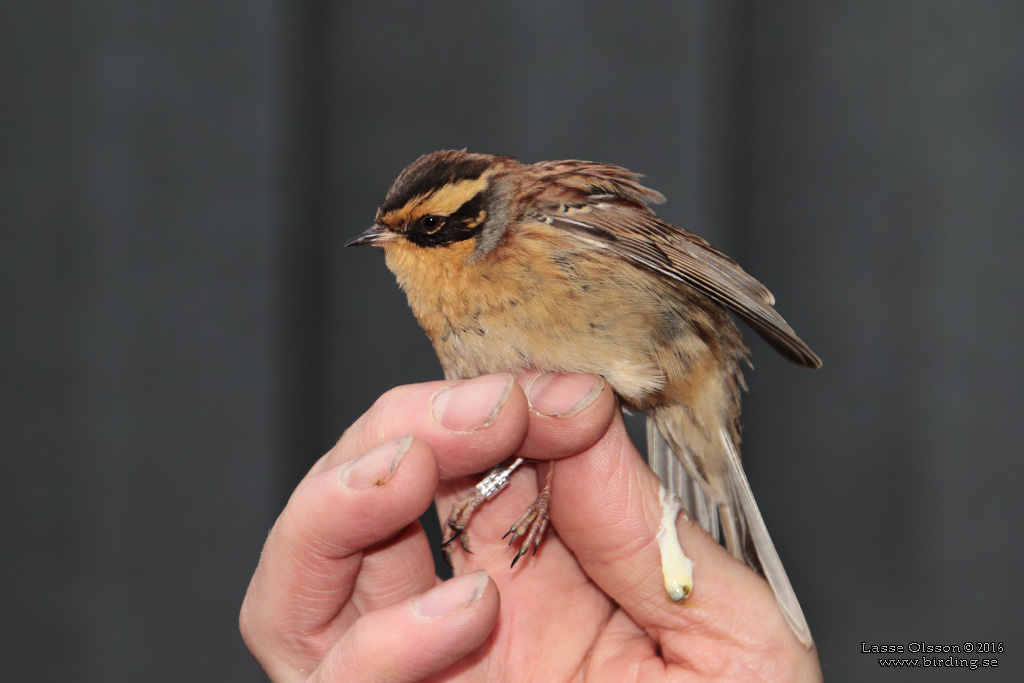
(390, 398)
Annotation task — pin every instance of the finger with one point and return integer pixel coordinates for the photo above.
(298, 604)
(418, 637)
(568, 413)
(470, 425)
(608, 513)
(394, 570)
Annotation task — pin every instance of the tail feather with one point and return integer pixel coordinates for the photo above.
(673, 474)
(771, 564)
(722, 503)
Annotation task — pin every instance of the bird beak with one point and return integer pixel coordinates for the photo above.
(375, 236)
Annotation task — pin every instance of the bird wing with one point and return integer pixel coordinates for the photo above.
(607, 207)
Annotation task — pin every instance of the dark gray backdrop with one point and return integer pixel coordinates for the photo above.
(183, 334)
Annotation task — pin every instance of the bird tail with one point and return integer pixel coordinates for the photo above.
(706, 473)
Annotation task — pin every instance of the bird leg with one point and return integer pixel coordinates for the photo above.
(533, 521)
(489, 487)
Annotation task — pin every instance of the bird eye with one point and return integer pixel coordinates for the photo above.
(430, 222)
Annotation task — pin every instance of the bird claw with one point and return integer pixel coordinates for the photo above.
(457, 521)
(531, 525)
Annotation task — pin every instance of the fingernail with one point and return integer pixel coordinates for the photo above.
(375, 467)
(451, 595)
(471, 404)
(558, 395)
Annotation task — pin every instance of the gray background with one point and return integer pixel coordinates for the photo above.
(183, 333)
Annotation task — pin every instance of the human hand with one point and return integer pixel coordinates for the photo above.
(345, 588)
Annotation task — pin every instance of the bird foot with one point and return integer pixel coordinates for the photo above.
(531, 525)
(490, 486)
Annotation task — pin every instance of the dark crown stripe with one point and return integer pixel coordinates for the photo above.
(421, 179)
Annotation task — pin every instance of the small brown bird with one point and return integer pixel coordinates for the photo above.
(563, 266)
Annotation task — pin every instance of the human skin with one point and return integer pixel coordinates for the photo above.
(345, 588)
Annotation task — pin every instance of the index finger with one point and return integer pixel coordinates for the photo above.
(472, 425)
